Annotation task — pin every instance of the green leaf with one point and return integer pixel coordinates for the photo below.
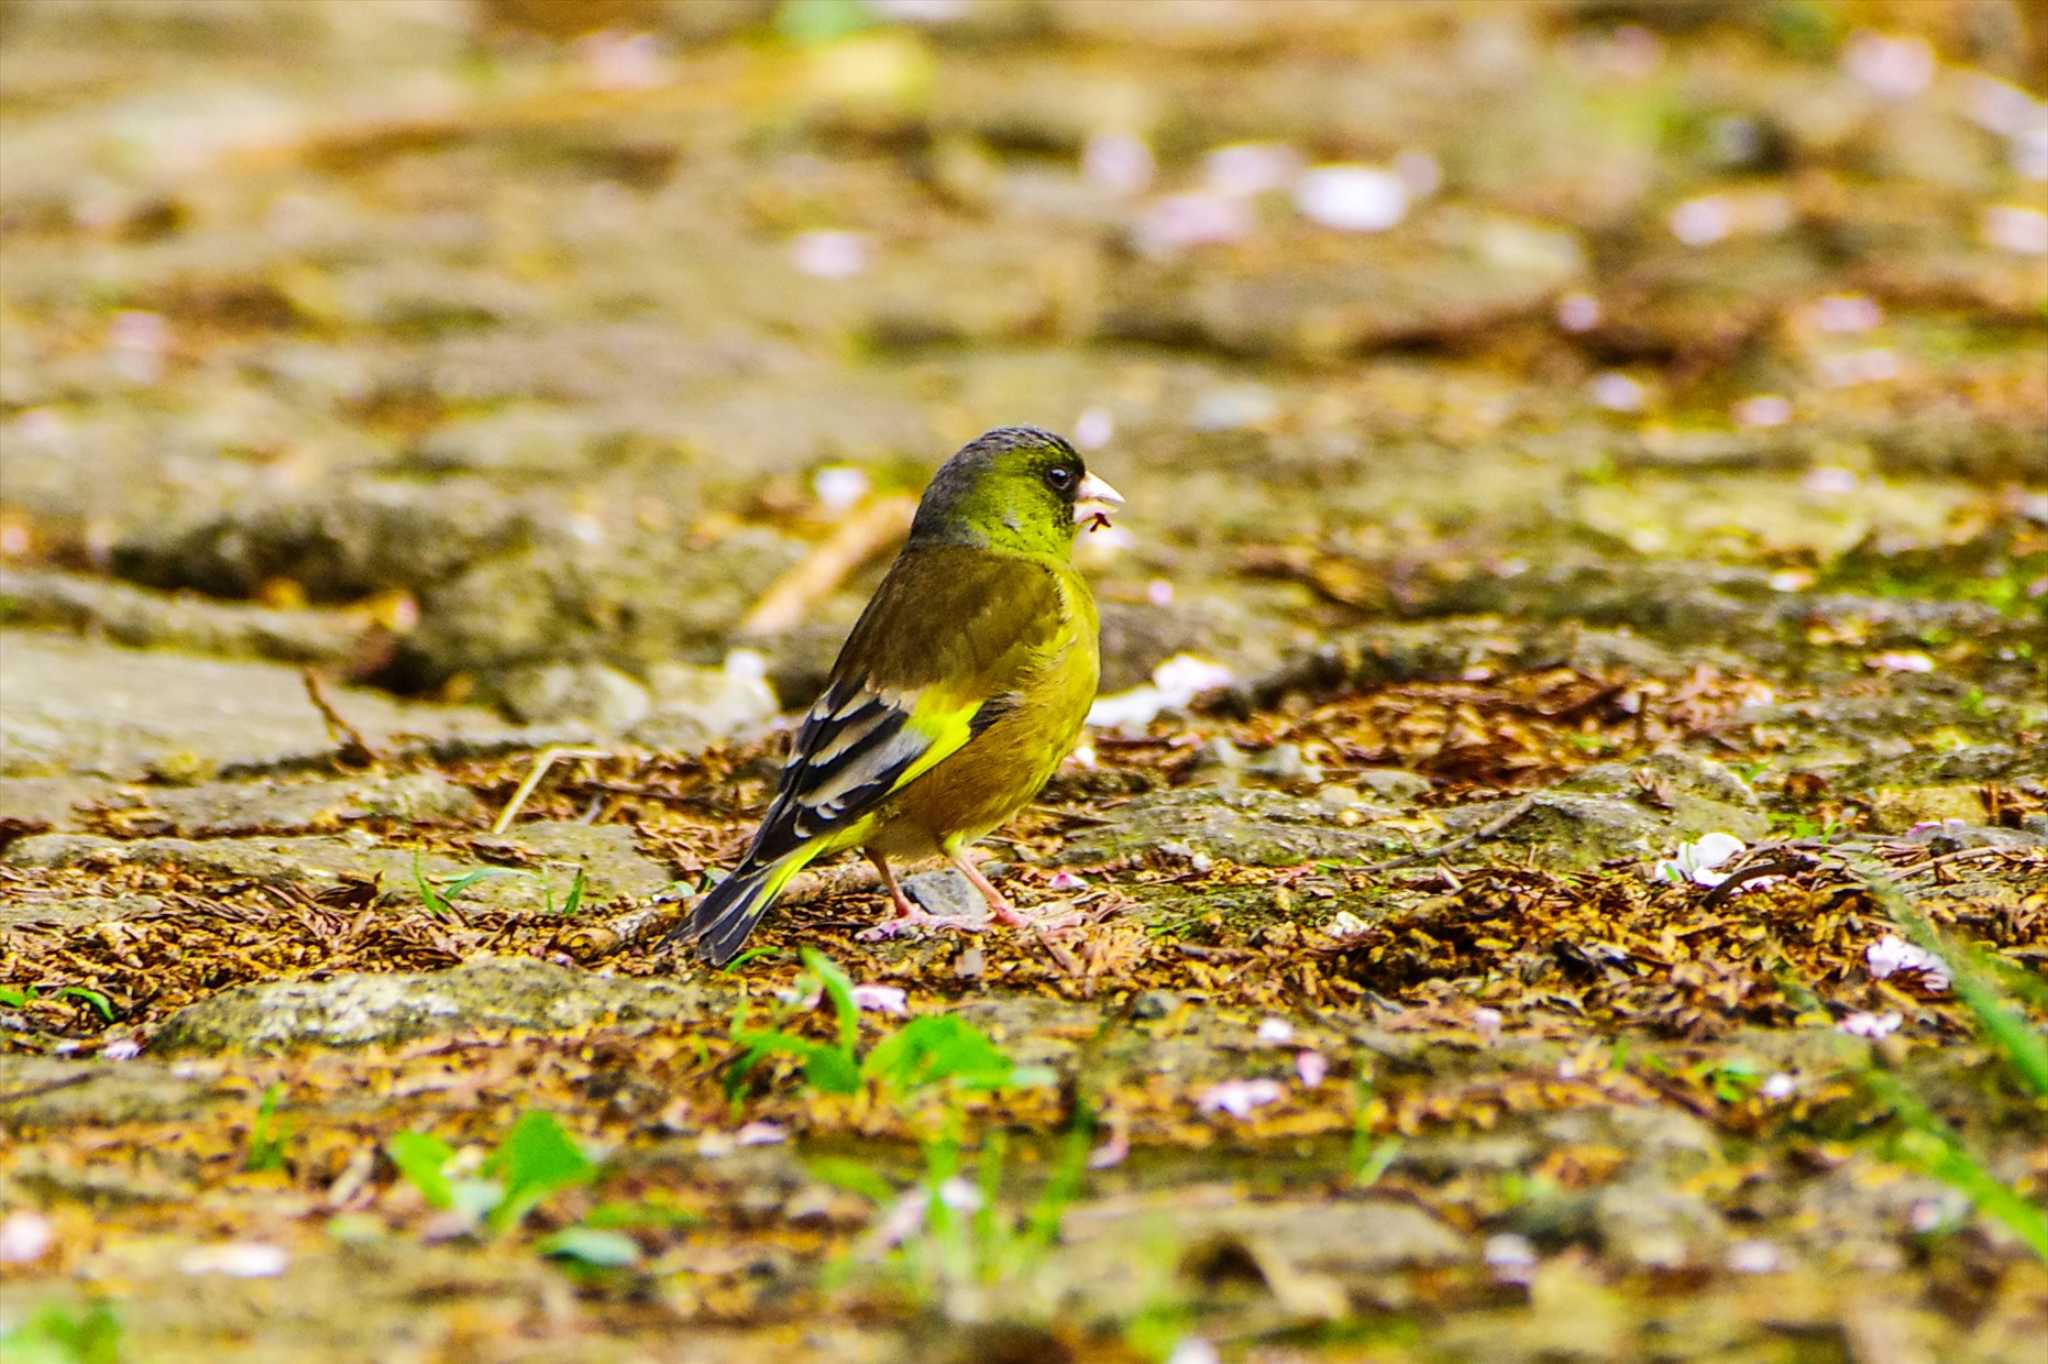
(536, 1159)
(752, 954)
(825, 1066)
(421, 1158)
(429, 897)
(839, 989)
(820, 21)
(591, 1246)
(1377, 1161)
(470, 878)
(54, 1334)
(832, 1071)
(1974, 980)
(1929, 1145)
(844, 1172)
(610, 1215)
(98, 1001)
(267, 1136)
(1019, 1077)
(937, 1048)
(574, 900)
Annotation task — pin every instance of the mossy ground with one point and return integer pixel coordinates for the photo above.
(1530, 529)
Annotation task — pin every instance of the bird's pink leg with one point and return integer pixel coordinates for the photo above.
(908, 915)
(998, 903)
(904, 909)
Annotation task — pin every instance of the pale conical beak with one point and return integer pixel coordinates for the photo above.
(1094, 500)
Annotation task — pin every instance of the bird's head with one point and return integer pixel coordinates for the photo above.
(1017, 488)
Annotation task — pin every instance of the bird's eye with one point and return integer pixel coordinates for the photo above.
(1059, 478)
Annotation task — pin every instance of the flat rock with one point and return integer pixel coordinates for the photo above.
(1249, 826)
(276, 805)
(80, 706)
(634, 605)
(345, 540)
(35, 909)
(1322, 295)
(45, 1092)
(144, 619)
(367, 1010)
(1566, 829)
(532, 863)
(1303, 1258)
(1650, 1225)
(33, 805)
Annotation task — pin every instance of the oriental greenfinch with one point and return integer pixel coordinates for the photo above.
(958, 693)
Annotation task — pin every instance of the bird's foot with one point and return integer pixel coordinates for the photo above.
(918, 919)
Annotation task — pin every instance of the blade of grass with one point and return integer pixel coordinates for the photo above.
(838, 988)
(100, 1003)
(1043, 1226)
(429, 897)
(2024, 1049)
(1932, 1147)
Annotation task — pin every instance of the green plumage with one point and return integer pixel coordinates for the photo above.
(953, 700)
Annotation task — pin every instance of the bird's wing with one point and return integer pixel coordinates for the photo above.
(951, 636)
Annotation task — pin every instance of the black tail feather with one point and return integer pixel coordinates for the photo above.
(721, 921)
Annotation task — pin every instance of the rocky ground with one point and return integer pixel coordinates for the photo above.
(1634, 430)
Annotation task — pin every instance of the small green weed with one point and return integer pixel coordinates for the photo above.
(932, 1050)
(536, 1160)
(1733, 1078)
(439, 899)
(570, 903)
(438, 895)
(268, 1134)
(1370, 1157)
(1925, 1143)
(806, 22)
(61, 1335)
(21, 996)
(1922, 1141)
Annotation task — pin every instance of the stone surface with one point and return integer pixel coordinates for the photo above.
(539, 860)
(285, 806)
(41, 1093)
(1252, 827)
(69, 705)
(363, 1010)
(140, 619)
(1319, 297)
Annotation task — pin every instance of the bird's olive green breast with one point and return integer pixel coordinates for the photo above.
(1040, 713)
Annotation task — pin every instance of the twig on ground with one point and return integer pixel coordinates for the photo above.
(866, 533)
(47, 1086)
(542, 761)
(351, 747)
(1490, 829)
(1965, 855)
(1742, 876)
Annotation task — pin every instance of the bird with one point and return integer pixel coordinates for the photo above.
(955, 697)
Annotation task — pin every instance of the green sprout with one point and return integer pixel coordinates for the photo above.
(56, 1334)
(268, 1134)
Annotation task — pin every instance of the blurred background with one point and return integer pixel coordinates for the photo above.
(537, 353)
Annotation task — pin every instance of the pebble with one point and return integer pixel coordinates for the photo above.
(1154, 1004)
(1392, 783)
(1286, 763)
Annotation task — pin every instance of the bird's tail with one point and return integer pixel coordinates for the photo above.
(729, 910)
